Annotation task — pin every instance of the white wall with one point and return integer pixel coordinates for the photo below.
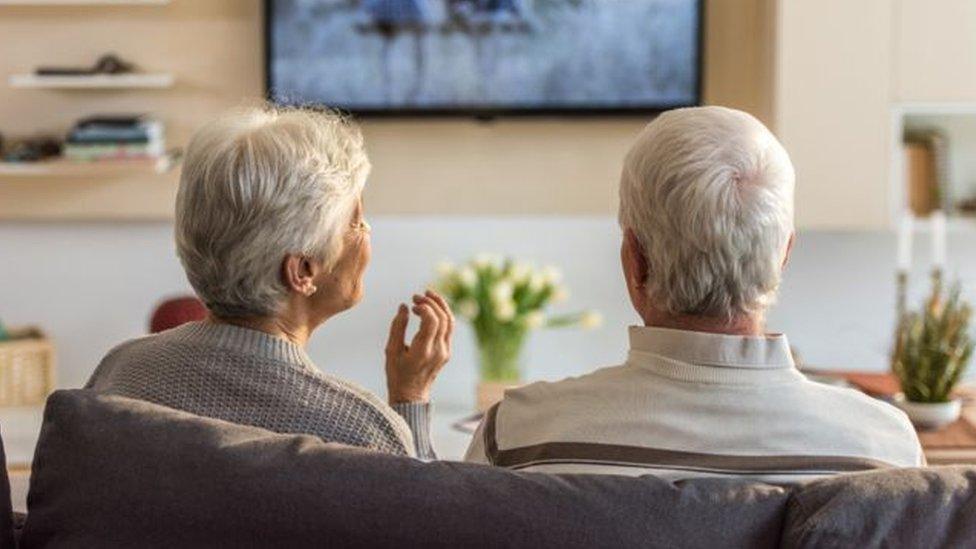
(93, 285)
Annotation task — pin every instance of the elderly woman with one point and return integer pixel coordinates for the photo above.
(271, 234)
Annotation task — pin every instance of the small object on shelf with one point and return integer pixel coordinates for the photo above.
(927, 171)
(967, 207)
(923, 187)
(26, 368)
(932, 351)
(115, 137)
(106, 64)
(34, 149)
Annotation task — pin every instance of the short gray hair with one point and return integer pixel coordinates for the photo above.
(708, 191)
(259, 184)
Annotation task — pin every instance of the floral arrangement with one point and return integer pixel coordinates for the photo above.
(933, 347)
(504, 300)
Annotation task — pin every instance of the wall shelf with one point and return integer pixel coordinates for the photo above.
(94, 82)
(83, 2)
(61, 168)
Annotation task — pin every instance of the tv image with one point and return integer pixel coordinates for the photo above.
(484, 56)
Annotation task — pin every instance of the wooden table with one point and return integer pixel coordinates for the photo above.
(953, 444)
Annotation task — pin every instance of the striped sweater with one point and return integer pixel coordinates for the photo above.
(691, 404)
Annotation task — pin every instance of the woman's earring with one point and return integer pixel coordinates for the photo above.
(311, 291)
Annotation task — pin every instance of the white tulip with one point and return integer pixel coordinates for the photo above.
(505, 310)
(468, 308)
(468, 277)
(535, 320)
(552, 275)
(484, 260)
(444, 269)
(560, 294)
(445, 285)
(502, 291)
(537, 282)
(591, 320)
(519, 272)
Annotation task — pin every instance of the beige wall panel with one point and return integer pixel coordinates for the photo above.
(511, 166)
(936, 48)
(740, 55)
(833, 92)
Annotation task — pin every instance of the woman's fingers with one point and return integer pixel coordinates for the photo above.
(446, 326)
(440, 309)
(398, 329)
(444, 307)
(425, 336)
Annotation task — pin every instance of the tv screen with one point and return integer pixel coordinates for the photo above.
(484, 56)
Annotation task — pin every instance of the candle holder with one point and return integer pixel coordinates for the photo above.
(901, 294)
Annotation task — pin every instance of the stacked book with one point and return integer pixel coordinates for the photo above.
(115, 138)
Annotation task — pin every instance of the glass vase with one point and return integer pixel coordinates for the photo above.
(500, 365)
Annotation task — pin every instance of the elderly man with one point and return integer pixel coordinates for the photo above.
(706, 208)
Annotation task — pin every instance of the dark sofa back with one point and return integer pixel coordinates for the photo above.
(928, 507)
(114, 472)
(6, 506)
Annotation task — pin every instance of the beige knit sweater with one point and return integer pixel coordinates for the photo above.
(253, 378)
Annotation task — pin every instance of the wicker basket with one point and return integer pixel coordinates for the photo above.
(26, 368)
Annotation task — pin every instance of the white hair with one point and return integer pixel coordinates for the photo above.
(259, 184)
(708, 192)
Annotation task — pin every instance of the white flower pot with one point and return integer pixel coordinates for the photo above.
(929, 415)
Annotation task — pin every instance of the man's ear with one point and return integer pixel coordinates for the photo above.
(789, 250)
(298, 274)
(635, 261)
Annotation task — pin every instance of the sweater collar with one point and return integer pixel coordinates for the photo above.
(709, 357)
(245, 341)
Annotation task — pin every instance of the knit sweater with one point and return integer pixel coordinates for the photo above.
(253, 378)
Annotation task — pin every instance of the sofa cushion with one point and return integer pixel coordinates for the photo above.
(932, 507)
(111, 471)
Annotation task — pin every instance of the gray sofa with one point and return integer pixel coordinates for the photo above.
(114, 472)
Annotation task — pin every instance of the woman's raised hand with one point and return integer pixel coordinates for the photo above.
(411, 369)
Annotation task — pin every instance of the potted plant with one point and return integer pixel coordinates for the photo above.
(932, 350)
(504, 300)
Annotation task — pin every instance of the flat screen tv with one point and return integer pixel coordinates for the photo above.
(485, 57)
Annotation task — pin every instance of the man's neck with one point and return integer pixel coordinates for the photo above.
(741, 325)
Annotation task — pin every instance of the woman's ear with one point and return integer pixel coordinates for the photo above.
(634, 260)
(298, 273)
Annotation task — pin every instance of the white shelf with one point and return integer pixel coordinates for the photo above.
(934, 109)
(80, 169)
(83, 2)
(954, 224)
(94, 82)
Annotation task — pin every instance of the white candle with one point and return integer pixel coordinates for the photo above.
(905, 234)
(938, 240)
